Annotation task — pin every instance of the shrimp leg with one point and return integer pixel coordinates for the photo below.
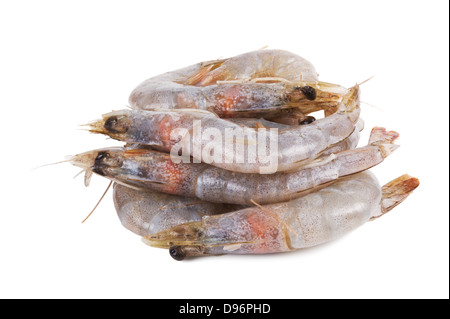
(308, 221)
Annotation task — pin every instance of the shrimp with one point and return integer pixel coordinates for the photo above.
(308, 221)
(148, 212)
(296, 145)
(255, 83)
(144, 168)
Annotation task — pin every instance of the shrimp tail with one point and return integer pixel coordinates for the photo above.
(381, 134)
(351, 103)
(202, 73)
(384, 139)
(395, 192)
(352, 98)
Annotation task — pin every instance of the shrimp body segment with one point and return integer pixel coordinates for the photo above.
(149, 169)
(259, 82)
(294, 145)
(308, 221)
(146, 212)
(349, 143)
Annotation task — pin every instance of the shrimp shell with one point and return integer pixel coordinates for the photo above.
(146, 212)
(254, 83)
(295, 145)
(143, 168)
(308, 221)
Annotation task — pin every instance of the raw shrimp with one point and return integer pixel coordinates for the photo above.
(311, 220)
(255, 83)
(289, 148)
(143, 168)
(146, 212)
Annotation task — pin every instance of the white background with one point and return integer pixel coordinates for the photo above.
(64, 63)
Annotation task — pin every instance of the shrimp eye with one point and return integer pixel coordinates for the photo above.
(309, 92)
(116, 125)
(100, 156)
(108, 159)
(176, 252)
(98, 164)
(308, 120)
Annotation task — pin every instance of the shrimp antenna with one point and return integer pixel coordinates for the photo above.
(65, 161)
(107, 188)
(366, 80)
(374, 106)
(83, 170)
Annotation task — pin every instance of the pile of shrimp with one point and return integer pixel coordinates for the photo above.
(184, 184)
